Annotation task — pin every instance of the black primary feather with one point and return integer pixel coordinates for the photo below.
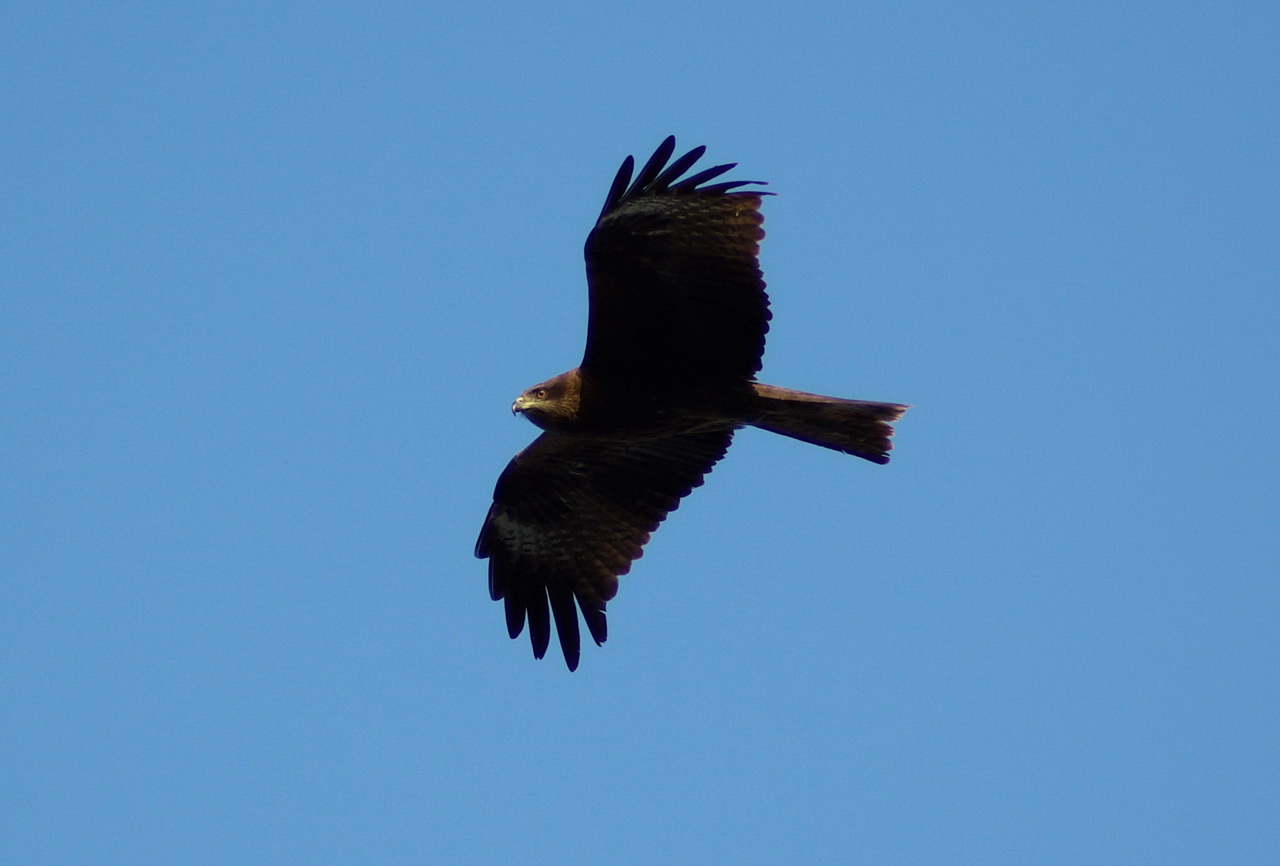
(620, 181)
(651, 168)
(654, 179)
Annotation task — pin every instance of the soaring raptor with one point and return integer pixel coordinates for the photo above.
(675, 337)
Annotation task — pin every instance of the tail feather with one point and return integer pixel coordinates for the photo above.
(855, 427)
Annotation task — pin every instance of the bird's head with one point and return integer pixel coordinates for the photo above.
(553, 403)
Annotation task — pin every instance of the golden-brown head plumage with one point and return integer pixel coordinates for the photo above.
(552, 404)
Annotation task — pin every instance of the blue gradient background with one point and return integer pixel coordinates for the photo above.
(271, 276)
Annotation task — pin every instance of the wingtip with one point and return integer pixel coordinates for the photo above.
(662, 174)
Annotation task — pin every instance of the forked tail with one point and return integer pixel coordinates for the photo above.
(855, 427)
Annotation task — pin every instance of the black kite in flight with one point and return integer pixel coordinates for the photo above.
(675, 335)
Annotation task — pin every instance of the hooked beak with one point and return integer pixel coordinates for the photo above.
(518, 406)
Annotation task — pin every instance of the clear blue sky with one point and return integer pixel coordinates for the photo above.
(271, 277)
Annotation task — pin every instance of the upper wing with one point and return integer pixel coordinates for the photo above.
(677, 299)
(568, 517)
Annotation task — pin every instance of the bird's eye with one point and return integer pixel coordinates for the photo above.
(540, 393)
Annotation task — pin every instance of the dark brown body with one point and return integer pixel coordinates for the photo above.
(674, 341)
(573, 404)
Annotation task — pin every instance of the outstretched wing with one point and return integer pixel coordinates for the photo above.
(569, 516)
(677, 299)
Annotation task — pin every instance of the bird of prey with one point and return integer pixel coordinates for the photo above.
(675, 336)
